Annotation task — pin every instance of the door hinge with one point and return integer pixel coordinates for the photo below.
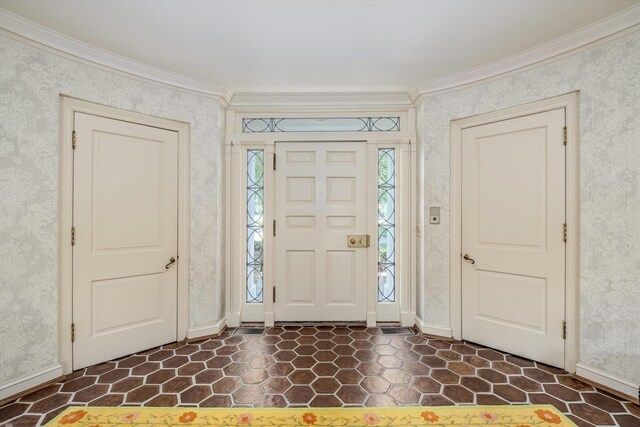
(274, 228)
(564, 329)
(564, 135)
(564, 234)
(73, 332)
(274, 161)
(274, 294)
(73, 236)
(73, 139)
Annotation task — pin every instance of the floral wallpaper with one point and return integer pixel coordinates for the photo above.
(608, 78)
(31, 80)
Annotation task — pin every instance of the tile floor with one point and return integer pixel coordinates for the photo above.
(322, 366)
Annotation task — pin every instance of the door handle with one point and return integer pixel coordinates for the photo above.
(171, 261)
(468, 258)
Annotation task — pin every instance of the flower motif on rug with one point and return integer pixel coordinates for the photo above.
(72, 417)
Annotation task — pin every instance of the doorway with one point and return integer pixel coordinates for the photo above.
(124, 275)
(514, 231)
(320, 203)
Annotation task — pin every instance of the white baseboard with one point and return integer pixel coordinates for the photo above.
(431, 329)
(371, 319)
(616, 383)
(205, 331)
(407, 319)
(233, 319)
(29, 381)
(269, 319)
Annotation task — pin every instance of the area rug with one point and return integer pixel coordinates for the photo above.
(408, 416)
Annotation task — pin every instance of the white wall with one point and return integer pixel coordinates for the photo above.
(31, 80)
(608, 78)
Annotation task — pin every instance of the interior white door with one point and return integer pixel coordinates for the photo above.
(513, 215)
(321, 196)
(125, 219)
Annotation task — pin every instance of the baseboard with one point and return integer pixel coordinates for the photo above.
(233, 319)
(206, 331)
(27, 382)
(408, 318)
(628, 389)
(269, 319)
(431, 329)
(371, 319)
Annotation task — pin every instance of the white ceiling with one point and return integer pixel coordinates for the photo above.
(330, 45)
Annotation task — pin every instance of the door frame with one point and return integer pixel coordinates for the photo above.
(237, 144)
(68, 107)
(572, 211)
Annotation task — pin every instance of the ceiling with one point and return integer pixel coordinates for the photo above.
(311, 45)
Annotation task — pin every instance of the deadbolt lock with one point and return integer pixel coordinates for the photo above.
(358, 240)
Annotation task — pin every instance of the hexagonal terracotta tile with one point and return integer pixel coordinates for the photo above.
(299, 394)
(352, 394)
(325, 385)
(276, 385)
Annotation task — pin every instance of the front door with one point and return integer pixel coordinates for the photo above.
(513, 249)
(125, 219)
(320, 199)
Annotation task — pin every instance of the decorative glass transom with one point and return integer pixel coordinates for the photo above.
(329, 124)
(386, 225)
(255, 225)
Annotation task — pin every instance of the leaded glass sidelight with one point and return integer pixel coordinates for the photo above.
(255, 225)
(386, 225)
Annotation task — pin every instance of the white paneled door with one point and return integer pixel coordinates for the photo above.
(321, 198)
(513, 248)
(125, 219)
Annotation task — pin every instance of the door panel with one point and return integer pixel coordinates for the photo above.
(320, 199)
(125, 215)
(513, 214)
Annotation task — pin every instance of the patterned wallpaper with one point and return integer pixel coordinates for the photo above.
(608, 78)
(31, 81)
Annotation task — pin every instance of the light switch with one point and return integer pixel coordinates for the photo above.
(434, 215)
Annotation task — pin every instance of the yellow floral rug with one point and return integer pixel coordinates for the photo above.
(408, 416)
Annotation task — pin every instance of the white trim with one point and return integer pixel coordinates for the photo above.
(431, 329)
(29, 381)
(60, 42)
(237, 143)
(570, 103)
(316, 100)
(616, 24)
(68, 107)
(604, 378)
(206, 331)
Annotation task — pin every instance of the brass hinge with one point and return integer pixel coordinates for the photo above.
(73, 139)
(564, 135)
(565, 232)
(564, 329)
(73, 332)
(274, 294)
(73, 236)
(274, 161)
(274, 228)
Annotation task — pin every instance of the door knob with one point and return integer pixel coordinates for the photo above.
(171, 261)
(468, 258)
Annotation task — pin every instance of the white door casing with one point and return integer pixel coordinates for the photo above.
(320, 199)
(125, 212)
(238, 142)
(513, 216)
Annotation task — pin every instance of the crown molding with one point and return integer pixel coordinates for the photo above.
(86, 52)
(272, 100)
(623, 22)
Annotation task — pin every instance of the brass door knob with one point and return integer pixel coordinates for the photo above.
(468, 258)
